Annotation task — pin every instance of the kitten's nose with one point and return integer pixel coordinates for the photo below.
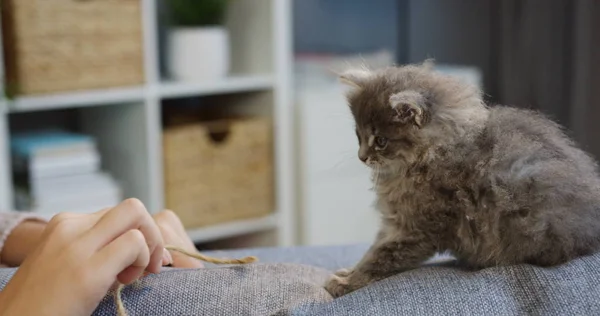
(362, 158)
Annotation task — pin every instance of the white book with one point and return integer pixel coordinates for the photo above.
(70, 150)
(69, 194)
(45, 150)
(91, 202)
(49, 188)
(85, 162)
(87, 205)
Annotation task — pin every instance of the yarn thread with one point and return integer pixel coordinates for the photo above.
(121, 311)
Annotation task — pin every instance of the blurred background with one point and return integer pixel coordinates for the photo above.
(230, 113)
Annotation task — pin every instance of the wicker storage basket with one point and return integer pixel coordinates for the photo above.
(63, 45)
(219, 171)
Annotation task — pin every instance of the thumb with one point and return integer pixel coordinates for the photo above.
(182, 261)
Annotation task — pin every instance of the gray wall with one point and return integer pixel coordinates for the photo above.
(451, 31)
(345, 26)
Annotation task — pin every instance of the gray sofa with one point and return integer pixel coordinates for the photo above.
(288, 281)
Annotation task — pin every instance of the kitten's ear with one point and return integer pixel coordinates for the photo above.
(409, 107)
(355, 77)
(429, 64)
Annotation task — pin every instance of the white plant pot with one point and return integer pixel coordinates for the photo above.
(198, 53)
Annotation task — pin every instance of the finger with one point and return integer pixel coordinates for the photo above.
(182, 261)
(167, 258)
(130, 214)
(130, 274)
(170, 219)
(102, 212)
(63, 216)
(170, 223)
(65, 227)
(171, 237)
(90, 219)
(125, 258)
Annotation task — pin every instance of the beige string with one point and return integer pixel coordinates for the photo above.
(119, 301)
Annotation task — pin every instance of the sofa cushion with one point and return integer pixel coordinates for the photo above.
(296, 288)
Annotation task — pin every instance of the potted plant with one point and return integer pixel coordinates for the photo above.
(198, 44)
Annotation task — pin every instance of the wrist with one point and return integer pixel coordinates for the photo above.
(21, 241)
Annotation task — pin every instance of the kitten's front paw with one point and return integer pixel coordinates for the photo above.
(337, 286)
(343, 272)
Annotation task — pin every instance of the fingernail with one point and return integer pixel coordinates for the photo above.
(167, 258)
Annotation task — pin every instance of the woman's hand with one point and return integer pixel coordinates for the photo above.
(80, 257)
(174, 234)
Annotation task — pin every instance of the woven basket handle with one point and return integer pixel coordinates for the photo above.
(87, 0)
(218, 132)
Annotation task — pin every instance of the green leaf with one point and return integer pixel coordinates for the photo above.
(197, 12)
(11, 89)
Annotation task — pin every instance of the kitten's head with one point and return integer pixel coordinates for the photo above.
(401, 112)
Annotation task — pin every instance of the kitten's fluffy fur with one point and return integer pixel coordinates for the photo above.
(492, 185)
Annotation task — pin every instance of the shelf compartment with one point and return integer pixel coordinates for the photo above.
(120, 138)
(250, 27)
(235, 84)
(76, 99)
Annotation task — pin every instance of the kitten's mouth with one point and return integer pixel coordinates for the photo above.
(370, 163)
(379, 167)
(373, 164)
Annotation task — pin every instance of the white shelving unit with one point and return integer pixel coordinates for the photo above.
(127, 120)
(230, 85)
(235, 228)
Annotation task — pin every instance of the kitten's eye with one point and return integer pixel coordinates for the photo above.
(381, 141)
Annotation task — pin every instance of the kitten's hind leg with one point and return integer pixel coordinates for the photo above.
(385, 258)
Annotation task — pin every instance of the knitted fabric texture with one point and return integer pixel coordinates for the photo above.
(10, 220)
(289, 281)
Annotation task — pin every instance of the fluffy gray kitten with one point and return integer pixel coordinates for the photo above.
(492, 185)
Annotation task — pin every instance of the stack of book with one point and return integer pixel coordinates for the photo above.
(59, 171)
